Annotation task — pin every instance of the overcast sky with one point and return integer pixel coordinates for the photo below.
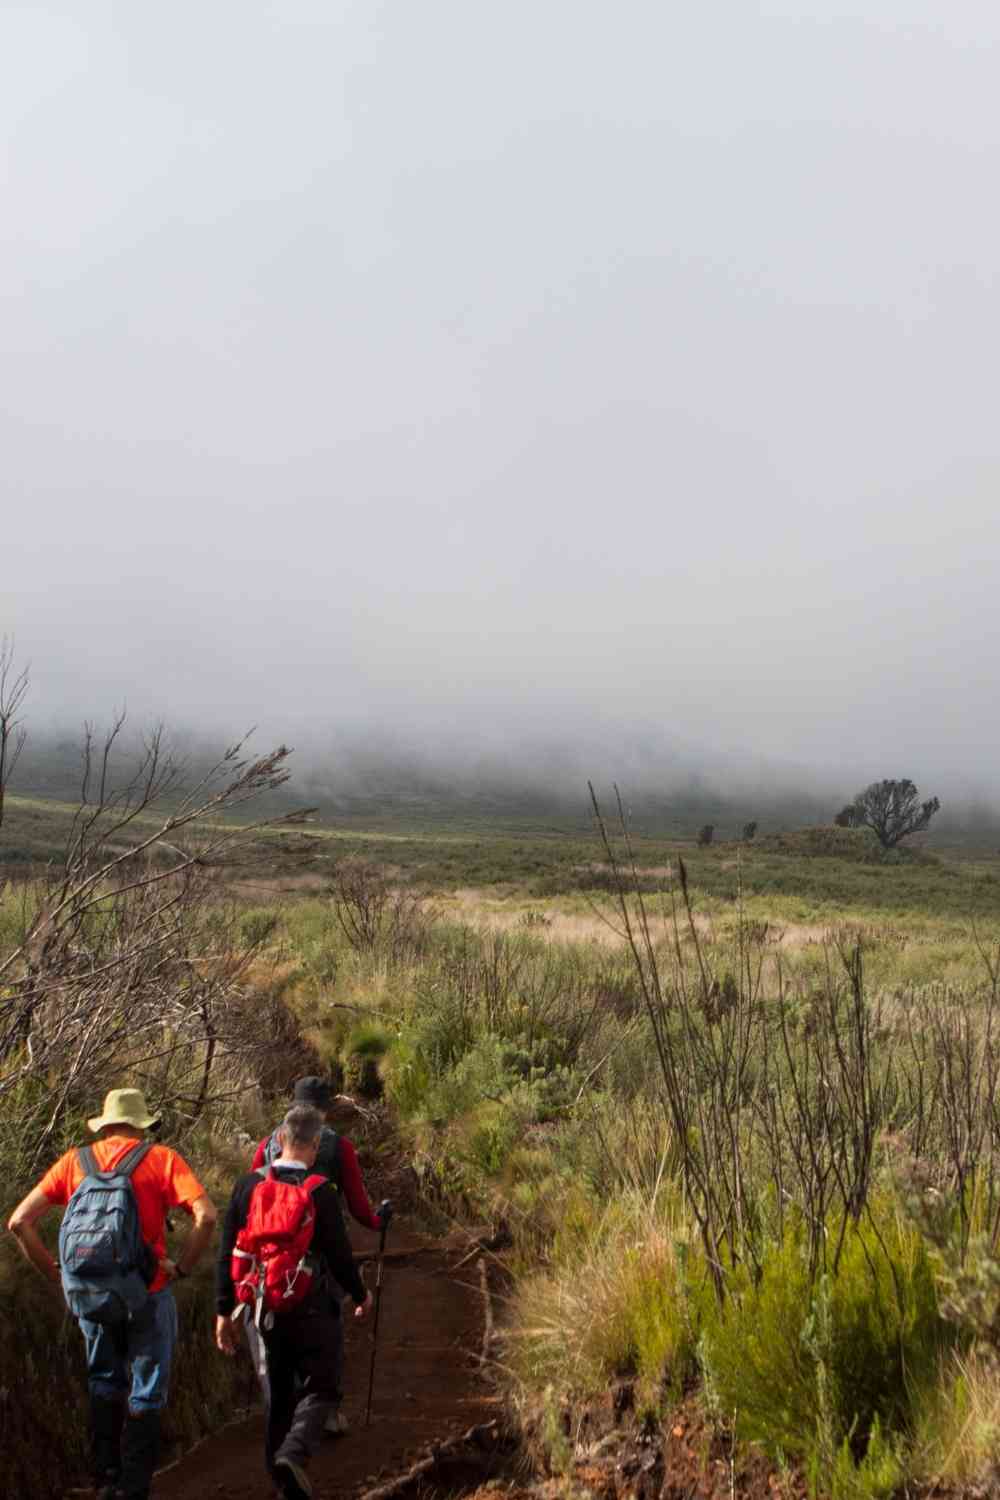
(509, 370)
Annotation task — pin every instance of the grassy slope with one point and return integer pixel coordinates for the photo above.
(789, 876)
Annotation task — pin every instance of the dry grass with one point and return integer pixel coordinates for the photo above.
(792, 935)
(958, 1439)
(554, 923)
(610, 1307)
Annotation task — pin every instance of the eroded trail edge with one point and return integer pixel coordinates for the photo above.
(429, 1389)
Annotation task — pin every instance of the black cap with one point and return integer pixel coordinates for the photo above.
(314, 1091)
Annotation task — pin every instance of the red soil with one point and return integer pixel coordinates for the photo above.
(426, 1389)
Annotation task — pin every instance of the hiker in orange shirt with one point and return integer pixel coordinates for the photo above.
(130, 1339)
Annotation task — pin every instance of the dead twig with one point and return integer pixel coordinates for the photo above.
(479, 1439)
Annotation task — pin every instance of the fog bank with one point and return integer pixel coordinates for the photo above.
(526, 391)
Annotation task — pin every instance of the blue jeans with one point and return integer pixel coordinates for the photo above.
(143, 1348)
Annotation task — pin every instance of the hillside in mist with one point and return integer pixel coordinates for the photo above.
(393, 779)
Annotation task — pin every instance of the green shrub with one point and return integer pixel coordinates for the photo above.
(657, 1337)
(368, 1039)
(492, 1139)
(366, 1045)
(422, 1089)
(756, 1356)
(363, 1076)
(825, 842)
(877, 1476)
(408, 1076)
(258, 926)
(544, 1096)
(809, 1366)
(316, 937)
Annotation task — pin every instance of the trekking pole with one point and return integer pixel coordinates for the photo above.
(251, 1382)
(238, 1320)
(384, 1212)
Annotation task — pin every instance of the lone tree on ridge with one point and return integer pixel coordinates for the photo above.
(891, 809)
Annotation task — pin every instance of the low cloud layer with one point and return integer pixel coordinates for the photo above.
(537, 386)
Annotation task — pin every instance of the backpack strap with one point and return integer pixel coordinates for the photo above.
(88, 1162)
(129, 1162)
(127, 1165)
(311, 1183)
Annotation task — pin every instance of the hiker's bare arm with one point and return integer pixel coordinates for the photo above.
(362, 1309)
(22, 1226)
(204, 1215)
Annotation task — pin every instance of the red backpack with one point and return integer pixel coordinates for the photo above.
(271, 1267)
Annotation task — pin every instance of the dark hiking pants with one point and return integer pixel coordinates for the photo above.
(303, 1360)
(260, 1364)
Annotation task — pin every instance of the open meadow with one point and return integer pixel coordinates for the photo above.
(728, 1117)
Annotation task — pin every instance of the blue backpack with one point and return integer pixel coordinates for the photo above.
(105, 1264)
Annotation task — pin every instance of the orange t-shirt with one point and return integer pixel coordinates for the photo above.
(162, 1181)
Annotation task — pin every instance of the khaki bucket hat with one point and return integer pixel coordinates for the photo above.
(124, 1107)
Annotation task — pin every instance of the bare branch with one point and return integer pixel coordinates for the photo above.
(13, 691)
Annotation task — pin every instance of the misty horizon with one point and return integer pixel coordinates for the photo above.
(663, 786)
(548, 393)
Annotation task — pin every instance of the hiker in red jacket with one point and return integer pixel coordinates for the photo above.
(336, 1160)
(301, 1342)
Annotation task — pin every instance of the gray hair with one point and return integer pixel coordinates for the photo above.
(302, 1126)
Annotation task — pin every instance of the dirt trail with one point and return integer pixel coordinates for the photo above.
(426, 1388)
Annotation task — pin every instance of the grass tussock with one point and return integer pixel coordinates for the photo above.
(616, 1305)
(957, 1439)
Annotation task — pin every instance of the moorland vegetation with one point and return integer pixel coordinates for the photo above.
(732, 1114)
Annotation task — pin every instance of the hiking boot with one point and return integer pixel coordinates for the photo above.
(140, 1450)
(336, 1424)
(106, 1418)
(292, 1480)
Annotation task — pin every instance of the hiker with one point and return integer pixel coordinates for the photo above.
(117, 1193)
(338, 1162)
(289, 1199)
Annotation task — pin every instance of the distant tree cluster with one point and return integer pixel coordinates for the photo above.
(706, 834)
(891, 809)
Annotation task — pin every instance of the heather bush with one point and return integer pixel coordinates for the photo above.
(806, 1364)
